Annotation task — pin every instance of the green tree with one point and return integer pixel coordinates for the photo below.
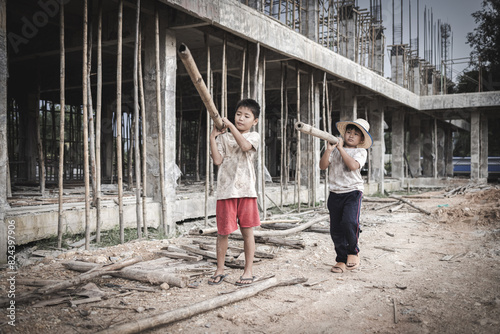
(485, 41)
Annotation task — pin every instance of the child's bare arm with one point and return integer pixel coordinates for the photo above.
(324, 162)
(244, 144)
(348, 160)
(214, 151)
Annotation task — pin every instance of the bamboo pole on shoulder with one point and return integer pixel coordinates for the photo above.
(144, 142)
(98, 116)
(85, 126)
(62, 102)
(119, 161)
(160, 124)
(137, 156)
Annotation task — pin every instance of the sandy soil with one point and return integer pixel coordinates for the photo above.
(419, 273)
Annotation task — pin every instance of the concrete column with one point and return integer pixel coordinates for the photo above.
(255, 4)
(475, 145)
(168, 67)
(414, 159)
(440, 144)
(416, 76)
(398, 144)
(310, 25)
(107, 140)
(348, 105)
(376, 120)
(168, 59)
(347, 28)
(478, 146)
(397, 65)
(376, 56)
(448, 151)
(484, 147)
(4, 159)
(427, 147)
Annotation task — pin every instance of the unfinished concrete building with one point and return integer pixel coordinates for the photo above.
(111, 84)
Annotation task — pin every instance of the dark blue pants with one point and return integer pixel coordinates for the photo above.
(344, 222)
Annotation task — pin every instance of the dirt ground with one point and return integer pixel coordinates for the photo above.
(437, 273)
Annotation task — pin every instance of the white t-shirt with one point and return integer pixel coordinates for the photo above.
(341, 179)
(236, 175)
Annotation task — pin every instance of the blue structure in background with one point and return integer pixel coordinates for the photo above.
(461, 165)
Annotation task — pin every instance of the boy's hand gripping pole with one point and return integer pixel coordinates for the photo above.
(310, 130)
(198, 82)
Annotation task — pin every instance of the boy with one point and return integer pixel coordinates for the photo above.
(235, 153)
(346, 189)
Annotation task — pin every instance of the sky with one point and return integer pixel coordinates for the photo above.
(457, 13)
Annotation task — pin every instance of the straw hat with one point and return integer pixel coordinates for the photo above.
(362, 125)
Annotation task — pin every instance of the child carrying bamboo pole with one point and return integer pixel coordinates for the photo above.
(235, 153)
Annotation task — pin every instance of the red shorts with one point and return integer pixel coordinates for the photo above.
(229, 211)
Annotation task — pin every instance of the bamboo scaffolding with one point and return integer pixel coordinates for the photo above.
(98, 108)
(298, 153)
(119, 161)
(313, 172)
(91, 117)
(62, 102)
(144, 141)
(179, 134)
(263, 135)
(224, 78)
(137, 152)
(243, 63)
(85, 126)
(282, 143)
(207, 134)
(194, 74)
(323, 109)
(286, 160)
(198, 146)
(163, 225)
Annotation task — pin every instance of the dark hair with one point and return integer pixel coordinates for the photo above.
(354, 127)
(250, 104)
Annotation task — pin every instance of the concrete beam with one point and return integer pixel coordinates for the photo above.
(254, 26)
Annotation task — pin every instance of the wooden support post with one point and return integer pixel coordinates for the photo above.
(98, 109)
(163, 224)
(298, 160)
(62, 103)
(137, 156)
(85, 127)
(119, 161)
(144, 148)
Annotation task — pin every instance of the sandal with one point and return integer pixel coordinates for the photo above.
(215, 281)
(241, 280)
(352, 261)
(339, 268)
